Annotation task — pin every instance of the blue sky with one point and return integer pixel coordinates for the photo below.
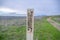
(41, 7)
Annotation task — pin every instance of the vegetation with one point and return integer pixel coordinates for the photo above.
(45, 31)
(12, 28)
(13, 33)
(56, 18)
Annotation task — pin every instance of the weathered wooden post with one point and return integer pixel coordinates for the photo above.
(30, 24)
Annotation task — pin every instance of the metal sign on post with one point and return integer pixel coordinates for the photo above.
(30, 24)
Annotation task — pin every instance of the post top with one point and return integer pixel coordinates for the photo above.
(30, 9)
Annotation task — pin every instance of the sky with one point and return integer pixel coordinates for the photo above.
(41, 7)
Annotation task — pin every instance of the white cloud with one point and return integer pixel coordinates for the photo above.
(8, 10)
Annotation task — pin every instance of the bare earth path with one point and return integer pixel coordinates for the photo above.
(55, 24)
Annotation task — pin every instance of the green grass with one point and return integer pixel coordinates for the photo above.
(13, 33)
(45, 31)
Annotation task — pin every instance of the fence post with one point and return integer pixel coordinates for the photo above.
(30, 24)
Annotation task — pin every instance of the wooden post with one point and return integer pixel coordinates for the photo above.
(30, 24)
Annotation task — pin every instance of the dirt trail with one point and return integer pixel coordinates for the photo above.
(55, 24)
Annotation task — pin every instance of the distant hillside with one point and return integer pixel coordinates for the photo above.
(11, 17)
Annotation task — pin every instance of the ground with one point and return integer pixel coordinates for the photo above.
(54, 23)
(45, 31)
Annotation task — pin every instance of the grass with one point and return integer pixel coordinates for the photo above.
(13, 33)
(45, 31)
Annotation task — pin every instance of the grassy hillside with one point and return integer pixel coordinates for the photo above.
(45, 31)
(12, 20)
(12, 28)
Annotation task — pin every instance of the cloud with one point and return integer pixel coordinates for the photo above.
(41, 7)
(9, 10)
